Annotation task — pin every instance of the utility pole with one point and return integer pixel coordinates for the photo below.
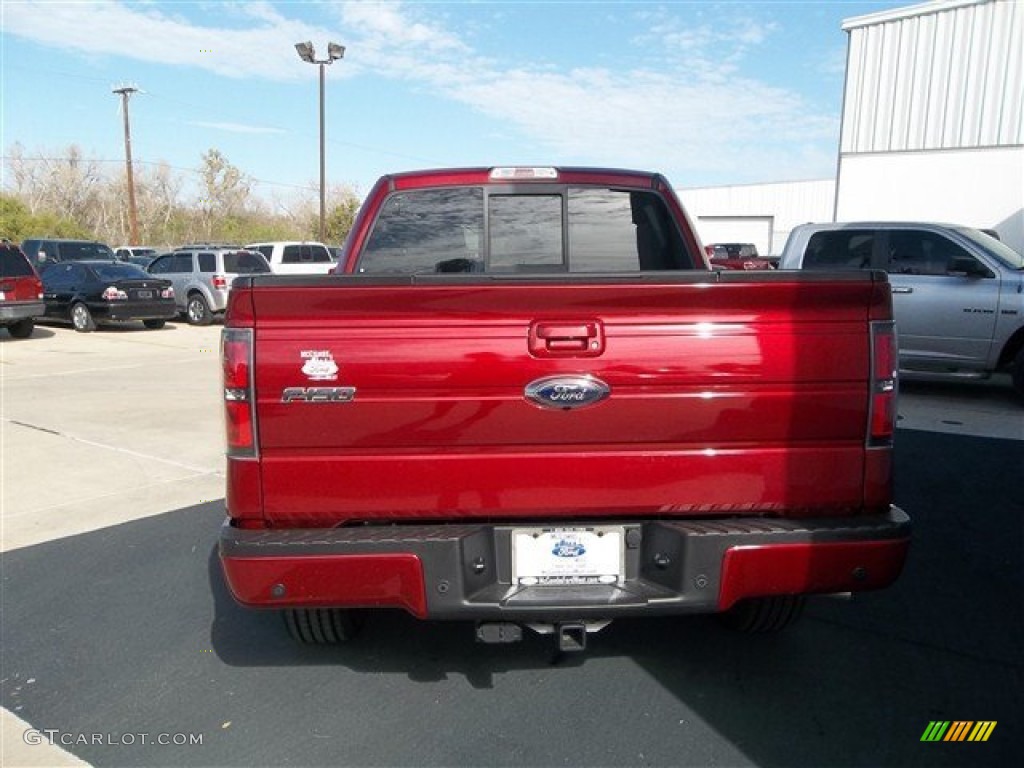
(133, 216)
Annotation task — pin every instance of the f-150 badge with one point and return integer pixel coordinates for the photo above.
(319, 365)
(318, 395)
(567, 392)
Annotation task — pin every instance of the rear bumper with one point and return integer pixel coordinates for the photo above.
(13, 311)
(136, 310)
(463, 571)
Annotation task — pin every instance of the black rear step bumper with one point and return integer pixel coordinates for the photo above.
(464, 570)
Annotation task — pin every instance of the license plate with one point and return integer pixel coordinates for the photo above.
(591, 555)
(145, 294)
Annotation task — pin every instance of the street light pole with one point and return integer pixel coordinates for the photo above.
(307, 54)
(323, 165)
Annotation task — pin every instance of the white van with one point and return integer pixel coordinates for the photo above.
(295, 258)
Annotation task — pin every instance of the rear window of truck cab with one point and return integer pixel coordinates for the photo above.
(549, 228)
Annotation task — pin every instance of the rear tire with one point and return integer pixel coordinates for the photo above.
(197, 310)
(22, 329)
(81, 318)
(154, 325)
(321, 626)
(764, 614)
(1017, 372)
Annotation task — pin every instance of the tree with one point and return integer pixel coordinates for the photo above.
(65, 194)
(226, 192)
(17, 222)
(341, 216)
(66, 184)
(156, 193)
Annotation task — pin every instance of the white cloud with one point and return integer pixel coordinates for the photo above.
(391, 22)
(142, 32)
(237, 127)
(691, 112)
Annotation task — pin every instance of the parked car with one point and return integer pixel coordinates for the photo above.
(736, 256)
(87, 292)
(140, 255)
(958, 293)
(202, 277)
(296, 258)
(44, 251)
(21, 292)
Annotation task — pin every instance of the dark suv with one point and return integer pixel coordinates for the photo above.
(21, 293)
(42, 252)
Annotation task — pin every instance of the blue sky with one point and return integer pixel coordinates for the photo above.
(708, 93)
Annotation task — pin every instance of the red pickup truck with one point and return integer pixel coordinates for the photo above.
(528, 401)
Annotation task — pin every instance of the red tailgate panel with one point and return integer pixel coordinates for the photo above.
(712, 408)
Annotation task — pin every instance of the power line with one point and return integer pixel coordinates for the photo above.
(155, 163)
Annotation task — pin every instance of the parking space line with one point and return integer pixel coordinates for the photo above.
(80, 502)
(127, 451)
(104, 369)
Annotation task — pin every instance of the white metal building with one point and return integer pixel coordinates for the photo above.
(932, 129)
(762, 214)
(933, 116)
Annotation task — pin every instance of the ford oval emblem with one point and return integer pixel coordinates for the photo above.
(569, 548)
(567, 392)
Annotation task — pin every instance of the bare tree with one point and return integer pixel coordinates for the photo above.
(25, 172)
(226, 192)
(67, 191)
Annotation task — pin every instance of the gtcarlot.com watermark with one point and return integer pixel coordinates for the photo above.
(55, 737)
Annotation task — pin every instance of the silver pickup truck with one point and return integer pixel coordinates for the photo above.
(958, 294)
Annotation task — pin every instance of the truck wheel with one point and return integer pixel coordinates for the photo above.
(81, 318)
(1017, 373)
(764, 614)
(198, 310)
(321, 626)
(21, 329)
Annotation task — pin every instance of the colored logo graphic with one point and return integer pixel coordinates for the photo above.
(959, 730)
(569, 548)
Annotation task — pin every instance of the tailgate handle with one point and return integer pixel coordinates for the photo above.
(566, 339)
(902, 289)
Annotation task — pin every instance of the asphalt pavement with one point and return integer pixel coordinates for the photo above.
(121, 645)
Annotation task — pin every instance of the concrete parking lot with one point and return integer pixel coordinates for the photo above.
(107, 427)
(116, 621)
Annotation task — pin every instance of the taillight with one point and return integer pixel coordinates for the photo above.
(114, 294)
(219, 282)
(167, 293)
(884, 383)
(239, 394)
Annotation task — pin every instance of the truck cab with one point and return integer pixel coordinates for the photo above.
(958, 293)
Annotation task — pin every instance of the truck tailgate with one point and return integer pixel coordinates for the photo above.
(728, 394)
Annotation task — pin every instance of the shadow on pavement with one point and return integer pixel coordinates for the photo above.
(131, 628)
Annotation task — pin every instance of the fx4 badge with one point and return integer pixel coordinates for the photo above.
(567, 392)
(318, 394)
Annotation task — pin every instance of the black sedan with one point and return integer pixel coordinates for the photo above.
(87, 292)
